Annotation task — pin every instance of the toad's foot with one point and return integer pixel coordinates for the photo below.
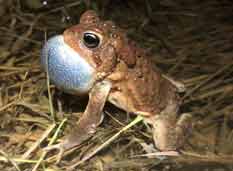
(58, 147)
(78, 135)
(151, 152)
(82, 132)
(169, 135)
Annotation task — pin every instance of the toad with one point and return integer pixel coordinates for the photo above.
(95, 57)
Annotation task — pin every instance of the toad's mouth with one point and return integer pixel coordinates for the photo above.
(66, 68)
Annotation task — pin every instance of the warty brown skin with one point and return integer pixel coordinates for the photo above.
(126, 77)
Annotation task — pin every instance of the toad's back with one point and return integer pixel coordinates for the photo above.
(142, 89)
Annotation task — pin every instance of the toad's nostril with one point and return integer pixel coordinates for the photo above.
(66, 68)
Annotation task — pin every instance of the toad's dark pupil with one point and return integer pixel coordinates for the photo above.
(91, 40)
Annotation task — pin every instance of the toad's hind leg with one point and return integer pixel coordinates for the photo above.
(169, 134)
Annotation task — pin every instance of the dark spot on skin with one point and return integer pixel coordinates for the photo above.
(113, 35)
(115, 89)
(93, 20)
(97, 60)
(139, 74)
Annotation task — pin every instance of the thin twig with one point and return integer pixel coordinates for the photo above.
(50, 143)
(87, 157)
(10, 160)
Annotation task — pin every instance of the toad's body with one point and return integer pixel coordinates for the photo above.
(95, 57)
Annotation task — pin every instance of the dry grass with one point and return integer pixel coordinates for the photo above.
(192, 41)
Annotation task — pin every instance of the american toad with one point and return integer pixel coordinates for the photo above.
(95, 57)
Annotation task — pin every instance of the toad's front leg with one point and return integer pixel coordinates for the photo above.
(89, 121)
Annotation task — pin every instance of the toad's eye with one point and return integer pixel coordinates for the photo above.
(91, 40)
